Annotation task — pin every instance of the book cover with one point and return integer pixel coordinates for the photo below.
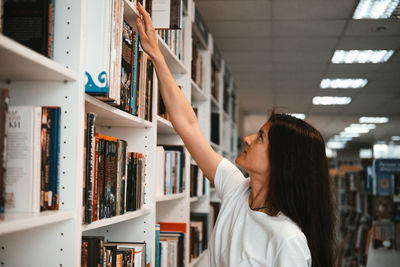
(4, 101)
(98, 48)
(23, 180)
(126, 66)
(384, 185)
(45, 158)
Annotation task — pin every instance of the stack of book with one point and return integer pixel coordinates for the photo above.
(174, 40)
(198, 182)
(198, 233)
(123, 75)
(113, 178)
(33, 147)
(170, 244)
(95, 252)
(170, 174)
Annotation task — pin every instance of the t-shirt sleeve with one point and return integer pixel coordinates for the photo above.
(227, 178)
(294, 253)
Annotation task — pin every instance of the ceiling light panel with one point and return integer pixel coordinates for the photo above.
(331, 100)
(375, 9)
(343, 83)
(361, 56)
(373, 120)
(300, 116)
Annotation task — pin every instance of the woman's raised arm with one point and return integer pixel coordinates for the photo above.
(179, 109)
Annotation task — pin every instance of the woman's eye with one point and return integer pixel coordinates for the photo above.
(260, 138)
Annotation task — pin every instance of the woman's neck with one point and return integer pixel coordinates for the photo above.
(259, 191)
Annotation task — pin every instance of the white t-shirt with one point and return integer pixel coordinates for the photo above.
(246, 238)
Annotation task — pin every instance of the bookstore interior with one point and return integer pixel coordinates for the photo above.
(108, 180)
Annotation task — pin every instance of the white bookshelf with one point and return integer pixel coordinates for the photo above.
(37, 80)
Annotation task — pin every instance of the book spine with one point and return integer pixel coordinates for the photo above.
(95, 179)
(4, 100)
(101, 179)
(46, 121)
(90, 167)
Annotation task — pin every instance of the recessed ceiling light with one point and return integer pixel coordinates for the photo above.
(369, 126)
(395, 138)
(361, 56)
(360, 130)
(346, 134)
(335, 145)
(300, 116)
(366, 153)
(373, 120)
(343, 83)
(331, 100)
(375, 9)
(341, 138)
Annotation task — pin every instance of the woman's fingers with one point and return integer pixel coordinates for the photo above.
(146, 16)
(139, 25)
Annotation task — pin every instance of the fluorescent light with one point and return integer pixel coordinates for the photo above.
(356, 130)
(335, 145)
(330, 153)
(373, 120)
(343, 83)
(341, 138)
(369, 126)
(331, 100)
(380, 148)
(300, 116)
(346, 134)
(361, 56)
(395, 138)
(375, 9)
(366, 153)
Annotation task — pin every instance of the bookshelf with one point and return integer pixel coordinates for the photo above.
(33, 79)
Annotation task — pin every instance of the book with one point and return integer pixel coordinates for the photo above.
(98, 49)
(176, 14)
(203, 218)
(127, 61)
(157, 246)
(396, 211)
(4, 101)
(30, 23)
(90, 165)
(23, 181)
(161, 12)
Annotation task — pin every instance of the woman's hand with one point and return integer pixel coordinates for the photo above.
(148, 37)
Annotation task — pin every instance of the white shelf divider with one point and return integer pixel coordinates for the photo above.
(14, 222)
(110, 116)
(21, 63)
(197, 260)
(117, 219)
(173, 62)
(170, 197)
(198, 95)
(164, 126)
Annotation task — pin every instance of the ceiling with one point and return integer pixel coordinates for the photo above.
(279, 51)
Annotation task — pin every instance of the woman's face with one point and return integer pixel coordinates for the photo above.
(255, 156)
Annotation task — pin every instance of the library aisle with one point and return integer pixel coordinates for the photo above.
(92, 171)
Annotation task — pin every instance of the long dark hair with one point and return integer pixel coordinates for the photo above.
(300, 185)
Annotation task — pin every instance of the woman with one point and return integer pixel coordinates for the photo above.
(281, 216)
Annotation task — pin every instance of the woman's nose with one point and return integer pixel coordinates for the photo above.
(247, 140)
